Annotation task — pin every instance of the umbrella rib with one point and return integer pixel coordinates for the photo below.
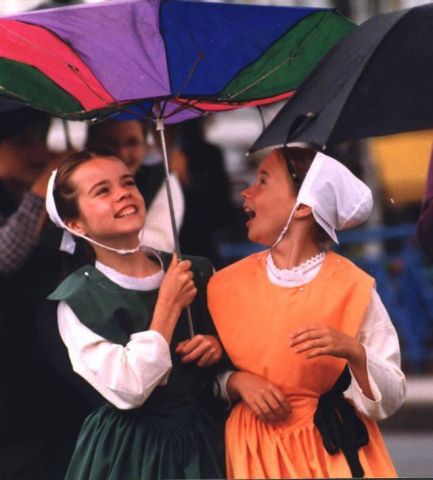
(13, 96)
(161, 109)
(193, 68)
(302, 45)
(199, 57)
(146, 113)
(260, 79)
(80, 77)
(262, 117)
(186, 106)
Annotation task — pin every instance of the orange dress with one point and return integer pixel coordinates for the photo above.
(254, 319)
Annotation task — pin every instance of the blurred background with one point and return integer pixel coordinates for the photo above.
(395, 168)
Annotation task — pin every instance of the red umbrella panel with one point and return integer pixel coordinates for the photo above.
(87, 61)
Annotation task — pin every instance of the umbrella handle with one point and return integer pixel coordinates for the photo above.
(160, 129)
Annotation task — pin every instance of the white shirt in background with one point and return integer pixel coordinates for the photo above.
(158, 231)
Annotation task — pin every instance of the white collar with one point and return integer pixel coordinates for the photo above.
(296, 276)
(150, 282)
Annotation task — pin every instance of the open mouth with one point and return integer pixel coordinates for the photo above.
(250, 213)
(127, 211)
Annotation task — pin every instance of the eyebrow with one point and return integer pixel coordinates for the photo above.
(99, 184)
(104, 182)
(263, 172)
(127, 176)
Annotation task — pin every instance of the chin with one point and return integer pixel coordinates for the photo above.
(131, 231)
(255, 238)
(134, 224)
(252, 237)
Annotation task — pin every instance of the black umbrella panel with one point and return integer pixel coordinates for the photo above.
(376, 81)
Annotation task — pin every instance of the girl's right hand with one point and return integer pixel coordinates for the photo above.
(178, 289)
(204, 350)
(264, 398)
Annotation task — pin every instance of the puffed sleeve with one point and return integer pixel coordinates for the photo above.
(387, 381)
(124, 375)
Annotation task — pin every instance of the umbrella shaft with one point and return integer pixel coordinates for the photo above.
(169, 194)
(160, 128)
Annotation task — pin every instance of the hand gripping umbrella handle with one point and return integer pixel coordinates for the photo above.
(160, 128)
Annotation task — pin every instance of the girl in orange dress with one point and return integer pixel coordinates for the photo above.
(317, 356)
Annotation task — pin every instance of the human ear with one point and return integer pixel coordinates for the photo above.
(303, 211)
(76, 226)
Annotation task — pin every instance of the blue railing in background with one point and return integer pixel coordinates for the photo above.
(404, 281)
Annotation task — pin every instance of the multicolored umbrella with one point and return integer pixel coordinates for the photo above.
(171, 59)
(167, 60)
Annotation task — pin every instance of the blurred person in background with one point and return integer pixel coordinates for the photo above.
(25, 168)
(30, 267)
(208, 207)
(130, 141)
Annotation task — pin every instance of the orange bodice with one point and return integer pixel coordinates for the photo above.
(254, 319)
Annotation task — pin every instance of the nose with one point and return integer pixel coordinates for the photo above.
(246, 193)
(122, 193)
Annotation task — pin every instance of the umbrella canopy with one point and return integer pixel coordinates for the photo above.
(167, 60)
(171, 59)
(376, 81)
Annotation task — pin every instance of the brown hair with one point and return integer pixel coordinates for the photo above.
(298, 161)
(65, 192)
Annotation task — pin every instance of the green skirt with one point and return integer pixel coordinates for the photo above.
(127, 445)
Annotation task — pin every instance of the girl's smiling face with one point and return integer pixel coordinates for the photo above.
(111, 208)
(269, 201)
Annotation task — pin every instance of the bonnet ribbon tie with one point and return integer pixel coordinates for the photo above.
(339, 426)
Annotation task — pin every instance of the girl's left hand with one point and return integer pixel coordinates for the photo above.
(205, 350)
(317, 340)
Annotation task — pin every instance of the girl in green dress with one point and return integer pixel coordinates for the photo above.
(122, 322)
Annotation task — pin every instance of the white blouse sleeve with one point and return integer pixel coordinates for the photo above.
(388, 383)
(125, 376)
(157, 231)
